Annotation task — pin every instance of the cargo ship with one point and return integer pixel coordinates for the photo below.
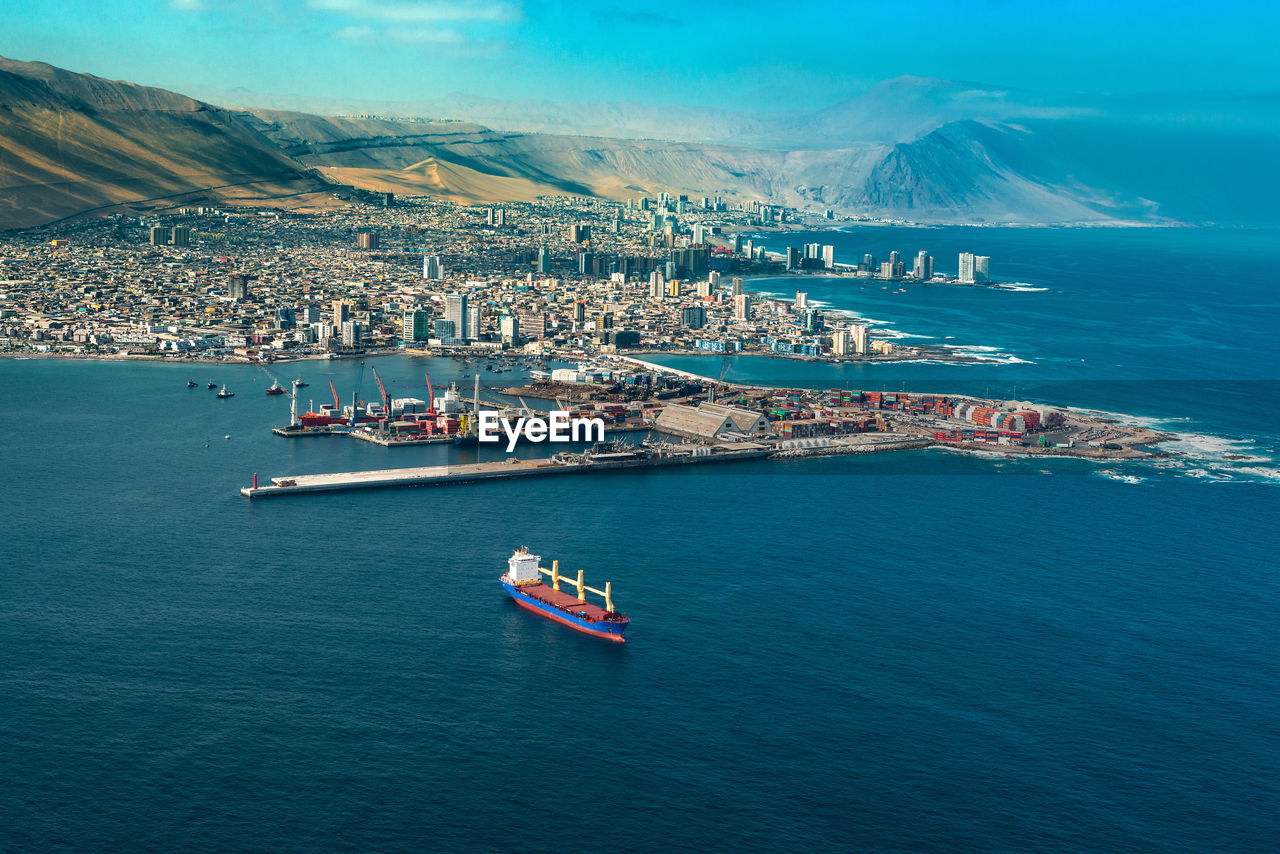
(523, 581)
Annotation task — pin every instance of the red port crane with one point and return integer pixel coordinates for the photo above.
(337, 405)
(431, 395)
(386, 404)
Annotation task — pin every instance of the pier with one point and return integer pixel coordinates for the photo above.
(591, 461)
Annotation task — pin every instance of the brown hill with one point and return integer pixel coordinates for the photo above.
(74, 143)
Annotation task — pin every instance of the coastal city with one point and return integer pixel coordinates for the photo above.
(561, 275)
(592, 286)
(765, 429)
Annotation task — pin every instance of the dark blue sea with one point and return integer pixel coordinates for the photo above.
(902, 652)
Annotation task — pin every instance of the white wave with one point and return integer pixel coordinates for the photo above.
(1019, 286)
(1257, 471)
(1208, 446)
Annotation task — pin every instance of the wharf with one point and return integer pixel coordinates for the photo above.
(298, 432)
(501, 470)
(420, 476)
(400, 440)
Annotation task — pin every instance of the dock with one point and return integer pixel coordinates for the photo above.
(502, 469)
(419, 476)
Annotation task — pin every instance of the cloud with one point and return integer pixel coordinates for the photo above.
(633, 18)
(356, 33)
(441, 37)
(418, 11)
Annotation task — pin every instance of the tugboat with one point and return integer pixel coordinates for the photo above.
(298, 383)
(222, 392)
(275, 388)
(192, 383)
(212, 385)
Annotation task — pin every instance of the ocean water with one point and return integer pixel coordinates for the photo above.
(921, 651)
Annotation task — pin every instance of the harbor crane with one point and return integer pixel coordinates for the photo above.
(386, 403)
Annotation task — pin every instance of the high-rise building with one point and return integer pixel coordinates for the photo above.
(366, 240)
(444, 330)
(310, 314)
(432, 268)
(473, 321)
(813, 251)
(586, 263)
(737, 286)
(893, 260)
(886, 269)
(694, 316)
(341, 312)
(704, 289)
(455, 311)
(181, 236)
(742, 307)
(488, 216)
(160, 235)
(417, 325)
(861, 340)
(694, 262)
(922, 269)
(813, 320)
(828, 256)
(544, 260)
(793, 258)
(509, 327)
(657, 284)
(869, 263)
(352, 333)
(237, 286)
(840, 342)
(700, 232)
(802, 301)
(974, 268)
(673, 288)
(713, 278)
(533, 325)
(579, 311)
(579, 232)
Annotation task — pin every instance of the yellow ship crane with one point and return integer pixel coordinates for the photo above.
(583, 589)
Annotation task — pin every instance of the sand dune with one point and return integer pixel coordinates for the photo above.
(449, 180)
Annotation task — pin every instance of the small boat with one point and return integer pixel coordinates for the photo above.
(298, 383)
(212, 385)
(224, 393)
(192, 384)
(276, 388)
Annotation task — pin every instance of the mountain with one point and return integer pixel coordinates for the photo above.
(917, 149)
(71, 143)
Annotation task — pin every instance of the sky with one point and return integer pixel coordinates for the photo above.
(735, 55)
